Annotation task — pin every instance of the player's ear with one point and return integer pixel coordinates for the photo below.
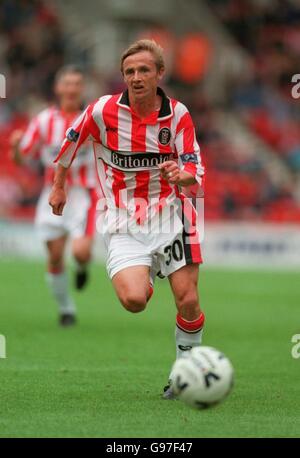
(161, 73)
(56, 89)
(122, 72)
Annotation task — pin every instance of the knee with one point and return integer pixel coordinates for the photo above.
(81, 256)
(134, 303)
(55, 259)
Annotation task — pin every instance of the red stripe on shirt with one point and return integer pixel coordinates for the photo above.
(138, 143)
(91, 216)
(118, 185)
(83, 129)
(190, 168)
(83, 175)
(50, 127)
(184, 122)
(101, 185)
(110, 119)
(94, 129)
(67, 122)
(191, 236)
(188, 136)
(31, 136)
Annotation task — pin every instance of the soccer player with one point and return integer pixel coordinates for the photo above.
(146, 153)
(41, 141)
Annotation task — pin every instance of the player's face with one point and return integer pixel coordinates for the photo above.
(69, 90)
(141, 75)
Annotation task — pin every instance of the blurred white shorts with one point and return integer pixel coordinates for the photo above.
(77, 220)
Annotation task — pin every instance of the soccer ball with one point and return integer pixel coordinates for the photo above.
(202, 377)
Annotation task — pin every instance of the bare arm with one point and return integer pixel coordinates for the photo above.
(57, 197)
(171, 172)
(186, 179)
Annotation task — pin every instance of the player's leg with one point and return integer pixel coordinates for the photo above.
(179, 260)
(190, 318)
(52, 232)
(128, 264)
(133, 287)
(57, 280)
(82, 253)
(81, 217)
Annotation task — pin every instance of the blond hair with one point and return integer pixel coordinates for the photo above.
(145, 45)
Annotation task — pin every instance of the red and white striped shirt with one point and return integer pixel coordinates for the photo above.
(43, 139)
(128, 149)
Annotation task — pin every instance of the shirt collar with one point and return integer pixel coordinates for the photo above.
(166, 109)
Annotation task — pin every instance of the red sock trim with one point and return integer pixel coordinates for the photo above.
(55, 270)
(151, 290)
(190, 326)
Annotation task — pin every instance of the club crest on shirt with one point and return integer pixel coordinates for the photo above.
(164, 136)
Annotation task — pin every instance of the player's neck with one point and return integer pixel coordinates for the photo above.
(145, 107)
(69, 109)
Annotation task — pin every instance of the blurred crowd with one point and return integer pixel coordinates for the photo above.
(269, 31)
(31, 51)
(33, 47)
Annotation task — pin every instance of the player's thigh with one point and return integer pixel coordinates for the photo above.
(184, 285)
(124, 252)
(132, 285)
(56, 249)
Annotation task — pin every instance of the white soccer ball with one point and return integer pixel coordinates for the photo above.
(202, 377)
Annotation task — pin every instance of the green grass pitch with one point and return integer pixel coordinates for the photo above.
(104, 377)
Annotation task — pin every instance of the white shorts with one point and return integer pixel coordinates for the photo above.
(160, 255)
(77, 220)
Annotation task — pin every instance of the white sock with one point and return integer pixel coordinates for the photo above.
(188, 334)
(81, 267)
(186, 341)
(58, 285)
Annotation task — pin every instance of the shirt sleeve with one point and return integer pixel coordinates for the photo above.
(187, 148)
(79, 133)
(31, 139)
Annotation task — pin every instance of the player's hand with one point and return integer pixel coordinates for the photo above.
(15, 138)
(57, 200)
(170, 171)
(14, 141)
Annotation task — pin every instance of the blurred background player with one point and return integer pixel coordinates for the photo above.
(41, 141)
